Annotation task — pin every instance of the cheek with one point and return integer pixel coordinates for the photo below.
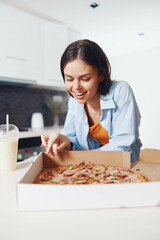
(68, 86)
(95, 86)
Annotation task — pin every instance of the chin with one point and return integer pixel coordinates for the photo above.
(80, 101)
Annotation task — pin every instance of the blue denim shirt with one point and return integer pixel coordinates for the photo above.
(120, 117)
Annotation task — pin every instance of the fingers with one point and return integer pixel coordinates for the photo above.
(54, 148)
(44, 140)
(53, 141)
(61, 146)
(47, 139)
(51, 153)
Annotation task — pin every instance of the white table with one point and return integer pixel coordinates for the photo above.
(125, 224)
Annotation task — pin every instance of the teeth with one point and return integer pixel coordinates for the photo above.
(79, 94)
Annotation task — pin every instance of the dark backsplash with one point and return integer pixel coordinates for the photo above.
(21, 101)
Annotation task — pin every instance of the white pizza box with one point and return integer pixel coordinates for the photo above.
(36, 197)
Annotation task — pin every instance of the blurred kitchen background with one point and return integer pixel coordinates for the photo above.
(34, 34)
(21, 102)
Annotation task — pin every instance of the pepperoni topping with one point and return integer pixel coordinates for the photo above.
(68, 174)
(88, 174)
(52, 174)
(45, 178)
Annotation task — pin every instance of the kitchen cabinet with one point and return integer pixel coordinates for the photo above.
(55, 44)
(57, 37)
(31, 47)
(21, 44)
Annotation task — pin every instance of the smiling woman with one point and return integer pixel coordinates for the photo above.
(102, 114)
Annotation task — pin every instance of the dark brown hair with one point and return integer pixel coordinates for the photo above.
(91, 53)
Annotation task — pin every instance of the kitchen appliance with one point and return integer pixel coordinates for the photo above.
(37, 121)
(29, 147)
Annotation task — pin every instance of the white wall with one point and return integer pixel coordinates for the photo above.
(141, 69)
(135, 58)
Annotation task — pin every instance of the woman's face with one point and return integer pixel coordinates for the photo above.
(82, 81)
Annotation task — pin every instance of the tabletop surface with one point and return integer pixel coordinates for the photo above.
(123, 223)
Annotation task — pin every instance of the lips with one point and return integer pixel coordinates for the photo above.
(79, 94)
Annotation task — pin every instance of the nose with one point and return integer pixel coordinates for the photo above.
(76, 84)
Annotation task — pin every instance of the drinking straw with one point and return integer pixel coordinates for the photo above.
(7, 122)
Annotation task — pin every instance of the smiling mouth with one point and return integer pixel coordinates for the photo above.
(79, 94)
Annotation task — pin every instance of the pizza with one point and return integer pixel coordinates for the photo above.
(87, 174)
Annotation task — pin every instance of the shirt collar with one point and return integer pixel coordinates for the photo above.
(107, 101)
(81, 114)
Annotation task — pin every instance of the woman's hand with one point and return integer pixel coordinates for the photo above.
(55, 142)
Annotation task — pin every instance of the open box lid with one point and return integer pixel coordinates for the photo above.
(150, 155)
(148, 164)
(110, 158)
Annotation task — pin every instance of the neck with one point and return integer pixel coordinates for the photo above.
(94, 104)
(93, 112)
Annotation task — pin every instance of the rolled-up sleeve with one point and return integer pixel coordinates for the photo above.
(125, 121)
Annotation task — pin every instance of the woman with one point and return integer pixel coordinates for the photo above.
(102, 114)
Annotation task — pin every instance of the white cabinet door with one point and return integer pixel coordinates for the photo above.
(55, 44)
(21, 44)
(73, 35)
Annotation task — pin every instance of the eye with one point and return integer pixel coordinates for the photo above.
(68, 79)
(85, 79)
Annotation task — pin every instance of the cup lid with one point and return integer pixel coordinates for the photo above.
(8, 134)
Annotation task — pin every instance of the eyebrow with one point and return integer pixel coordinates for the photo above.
(79, 76)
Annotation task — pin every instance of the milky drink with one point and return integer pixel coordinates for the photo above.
(8, 155)
(8, 148)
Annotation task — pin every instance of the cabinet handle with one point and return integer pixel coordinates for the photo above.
(17, 58)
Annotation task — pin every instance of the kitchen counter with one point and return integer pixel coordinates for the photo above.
(123, 223)
(39, 132)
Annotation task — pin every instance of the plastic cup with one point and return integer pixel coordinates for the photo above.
(9, 135)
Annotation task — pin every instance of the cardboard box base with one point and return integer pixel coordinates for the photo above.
(88, 197)
(36, 197)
